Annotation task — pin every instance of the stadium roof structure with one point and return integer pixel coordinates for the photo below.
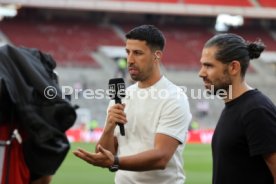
(173, 8)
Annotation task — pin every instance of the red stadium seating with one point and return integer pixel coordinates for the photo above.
(184, 45)
(70, 43)
(243, 3)
(258, 33)
(267, 3)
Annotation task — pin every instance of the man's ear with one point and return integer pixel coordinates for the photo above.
(158, 55)
(234, 67)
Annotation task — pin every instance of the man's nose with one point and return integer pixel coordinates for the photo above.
(202, 72)
(130, 59)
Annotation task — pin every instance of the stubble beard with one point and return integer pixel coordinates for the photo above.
(221, 85)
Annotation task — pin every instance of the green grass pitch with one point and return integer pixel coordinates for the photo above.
(197, 164)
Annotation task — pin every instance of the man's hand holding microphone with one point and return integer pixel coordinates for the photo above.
(116, 116)
(105, 156)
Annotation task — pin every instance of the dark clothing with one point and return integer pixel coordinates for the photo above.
(24, 75)
(246, 130)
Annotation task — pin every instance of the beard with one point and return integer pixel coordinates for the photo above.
(222, 90)
(140, 75)
(137, 77)
(134, 77)
(221, 86)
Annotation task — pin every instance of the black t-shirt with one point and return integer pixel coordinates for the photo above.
(246, 130)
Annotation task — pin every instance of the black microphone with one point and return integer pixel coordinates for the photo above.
(117, 88)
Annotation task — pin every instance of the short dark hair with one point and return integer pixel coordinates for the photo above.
(149, 33)
(234, 47)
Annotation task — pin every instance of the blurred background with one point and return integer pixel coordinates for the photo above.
(86, 39)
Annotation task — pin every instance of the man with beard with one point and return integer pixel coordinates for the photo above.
(243, 145)
(156, 117)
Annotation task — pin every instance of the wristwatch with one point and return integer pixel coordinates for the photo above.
(115, 166)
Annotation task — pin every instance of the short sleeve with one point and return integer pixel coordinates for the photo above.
(260, 128)
(175, 118)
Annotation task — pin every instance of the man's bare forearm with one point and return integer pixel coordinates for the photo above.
(108, 141)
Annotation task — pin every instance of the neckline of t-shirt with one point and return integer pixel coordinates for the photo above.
(155, 85)
(241, 97)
